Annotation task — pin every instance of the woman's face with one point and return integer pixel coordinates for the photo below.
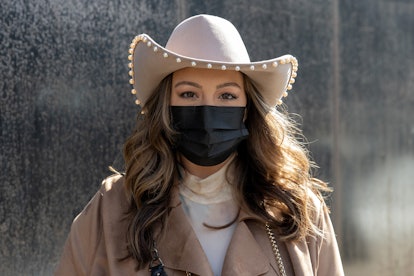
(194, 86)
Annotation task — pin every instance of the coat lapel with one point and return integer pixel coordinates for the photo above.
(249, 252)
(244, 255)
(178, 245)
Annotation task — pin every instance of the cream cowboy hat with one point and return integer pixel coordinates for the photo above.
(206, 41)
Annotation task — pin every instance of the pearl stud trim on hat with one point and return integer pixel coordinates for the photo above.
(273, 77)
(143, 38)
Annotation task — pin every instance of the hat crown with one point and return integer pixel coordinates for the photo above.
(208, 37)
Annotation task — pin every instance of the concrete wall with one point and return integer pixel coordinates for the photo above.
(65, 110)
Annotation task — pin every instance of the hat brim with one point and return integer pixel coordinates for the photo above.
(151, 63)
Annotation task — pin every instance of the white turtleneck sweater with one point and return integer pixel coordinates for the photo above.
(210, 201)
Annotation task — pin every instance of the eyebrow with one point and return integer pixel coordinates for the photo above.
(227, 84)
(187, 83)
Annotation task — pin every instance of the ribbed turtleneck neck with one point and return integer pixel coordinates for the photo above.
(208, 204)
(213, 189)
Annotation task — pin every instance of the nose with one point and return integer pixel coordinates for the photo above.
(208, 98)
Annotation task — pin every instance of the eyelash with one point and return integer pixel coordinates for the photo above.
(186, 94)
(223, 96)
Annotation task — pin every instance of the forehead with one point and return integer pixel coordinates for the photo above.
(207, 75)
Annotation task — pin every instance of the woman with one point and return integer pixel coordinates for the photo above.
(215, 182)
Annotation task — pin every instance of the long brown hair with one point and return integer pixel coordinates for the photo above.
(273, 171)
(150, 172)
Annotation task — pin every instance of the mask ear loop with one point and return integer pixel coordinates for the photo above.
(173, 145)
(180, 166)
(245, 115)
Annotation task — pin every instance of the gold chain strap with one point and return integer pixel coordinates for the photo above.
(275, 248)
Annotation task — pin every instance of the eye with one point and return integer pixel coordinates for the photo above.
(188, 94)
(227, 96)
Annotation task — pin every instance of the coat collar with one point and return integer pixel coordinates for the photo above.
(244, 255)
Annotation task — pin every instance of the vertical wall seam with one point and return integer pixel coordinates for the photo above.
(335, 124)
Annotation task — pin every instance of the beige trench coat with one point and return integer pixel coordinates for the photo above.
(96, 244)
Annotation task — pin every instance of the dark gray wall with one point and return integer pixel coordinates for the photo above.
(65, 110)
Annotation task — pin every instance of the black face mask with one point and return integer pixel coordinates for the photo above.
(208, 135)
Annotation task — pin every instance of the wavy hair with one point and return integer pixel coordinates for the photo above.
(274, 170)
(273, 176)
